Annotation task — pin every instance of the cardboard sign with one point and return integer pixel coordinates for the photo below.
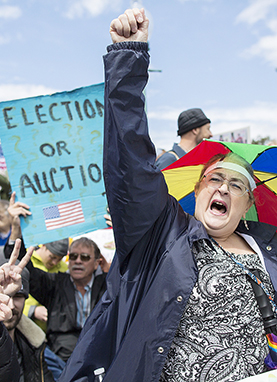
(239, 136)
(53, 149)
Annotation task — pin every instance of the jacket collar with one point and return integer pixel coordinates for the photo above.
(34, 334)
(258, 229)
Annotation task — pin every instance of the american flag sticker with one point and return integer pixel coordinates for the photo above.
(62, 215)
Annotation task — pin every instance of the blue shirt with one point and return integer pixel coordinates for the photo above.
(83, 303)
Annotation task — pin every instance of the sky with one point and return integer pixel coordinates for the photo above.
(219, 55)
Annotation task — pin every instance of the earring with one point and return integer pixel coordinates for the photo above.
(245, 224)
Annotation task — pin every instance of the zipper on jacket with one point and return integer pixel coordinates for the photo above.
(41, 365)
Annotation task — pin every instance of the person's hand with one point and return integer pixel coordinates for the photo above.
(10, 280)
(6, 306)
(10, 274)
(105, 266)
(132, 25)
(108, 218)
(15, 210)
(18, 208)
(41, 313)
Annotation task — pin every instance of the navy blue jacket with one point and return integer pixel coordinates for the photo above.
(151, 278)
(9, 367)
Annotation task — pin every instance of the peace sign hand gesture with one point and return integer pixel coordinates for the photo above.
(10, 274)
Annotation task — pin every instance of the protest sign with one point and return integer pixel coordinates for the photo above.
(239, 135)
(53, 149)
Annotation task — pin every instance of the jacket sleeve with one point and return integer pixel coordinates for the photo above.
(9, 367)
(30, 305)
(136, 190)
(42, 285)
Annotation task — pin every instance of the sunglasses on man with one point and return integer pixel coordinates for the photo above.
(84, 256)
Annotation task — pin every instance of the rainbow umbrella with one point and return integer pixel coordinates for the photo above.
(182, 175)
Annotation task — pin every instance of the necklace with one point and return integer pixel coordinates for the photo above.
(249, 273)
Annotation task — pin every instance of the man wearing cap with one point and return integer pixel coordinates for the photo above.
(47, 257)
(193, 127)
(28, 338)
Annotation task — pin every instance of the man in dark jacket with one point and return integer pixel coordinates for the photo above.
(28, 338)
(68, 297)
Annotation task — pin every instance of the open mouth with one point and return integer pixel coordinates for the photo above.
(219, 208)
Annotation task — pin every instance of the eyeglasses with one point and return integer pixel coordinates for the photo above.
(84, 256)
(236, 187)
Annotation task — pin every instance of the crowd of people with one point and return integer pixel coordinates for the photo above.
(61, 298)
(180, 299)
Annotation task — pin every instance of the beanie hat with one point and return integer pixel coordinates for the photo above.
(25, 275)
(58, 248)
(191, 119)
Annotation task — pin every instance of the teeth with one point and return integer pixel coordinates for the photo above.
(219, 206)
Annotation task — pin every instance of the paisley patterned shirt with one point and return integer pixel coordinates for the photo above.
(220, 337)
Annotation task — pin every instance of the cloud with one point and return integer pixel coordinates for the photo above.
(9, 12)
(266, 47)
(80, 8)
(10, 91)
(260, 117)
(256, 11)
(264, 13)
(272, 24)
